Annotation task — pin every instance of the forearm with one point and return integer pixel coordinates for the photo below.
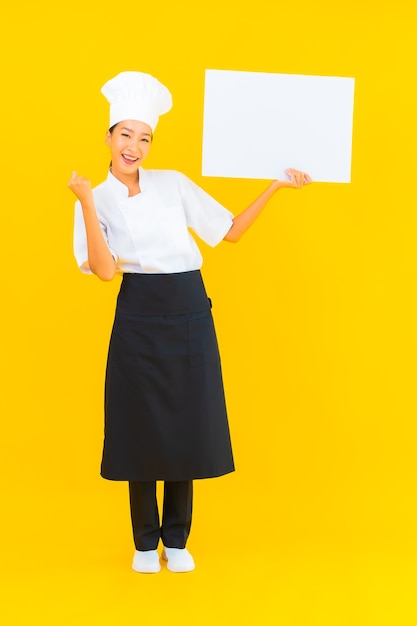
(100, 259)
(244, 220)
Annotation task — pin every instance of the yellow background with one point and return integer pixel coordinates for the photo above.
(315, 311)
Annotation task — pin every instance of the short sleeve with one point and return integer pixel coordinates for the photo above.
(80, 240)
(204, 215)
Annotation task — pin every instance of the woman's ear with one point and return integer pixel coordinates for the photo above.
(108, 138)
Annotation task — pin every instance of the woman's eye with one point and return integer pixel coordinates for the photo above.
(144, 139)
(125, 135)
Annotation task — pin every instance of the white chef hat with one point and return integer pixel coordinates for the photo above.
(136, 96)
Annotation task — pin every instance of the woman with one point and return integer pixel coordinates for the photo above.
(165, 413)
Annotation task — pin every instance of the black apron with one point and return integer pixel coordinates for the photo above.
(165, 413)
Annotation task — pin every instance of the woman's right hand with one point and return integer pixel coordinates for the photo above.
(81, 187)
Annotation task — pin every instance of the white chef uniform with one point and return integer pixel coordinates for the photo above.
(149, 232)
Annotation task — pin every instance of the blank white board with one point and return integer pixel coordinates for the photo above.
(258, 124)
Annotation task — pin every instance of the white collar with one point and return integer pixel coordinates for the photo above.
(120, 188)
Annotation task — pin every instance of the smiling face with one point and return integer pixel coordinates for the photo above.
(129, 142)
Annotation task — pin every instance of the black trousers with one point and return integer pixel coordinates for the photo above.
(176, 514)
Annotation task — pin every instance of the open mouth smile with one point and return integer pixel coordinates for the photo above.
(129, 159)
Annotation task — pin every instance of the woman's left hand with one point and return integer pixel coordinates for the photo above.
(296, 179)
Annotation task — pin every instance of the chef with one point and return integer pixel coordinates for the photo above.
(165, 410)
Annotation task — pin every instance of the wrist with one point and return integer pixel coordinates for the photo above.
(87, 205)
(275, 185)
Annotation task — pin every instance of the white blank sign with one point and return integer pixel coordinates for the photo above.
(256, 125)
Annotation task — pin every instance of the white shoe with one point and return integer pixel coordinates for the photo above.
(146, 561)
(179, 559)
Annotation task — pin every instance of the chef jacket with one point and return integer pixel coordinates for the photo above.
(149, 232)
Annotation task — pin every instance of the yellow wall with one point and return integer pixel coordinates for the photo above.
(315, 308)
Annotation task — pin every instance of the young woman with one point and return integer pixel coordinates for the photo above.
(165, 413)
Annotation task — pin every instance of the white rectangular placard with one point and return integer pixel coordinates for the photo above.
(258, 124)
